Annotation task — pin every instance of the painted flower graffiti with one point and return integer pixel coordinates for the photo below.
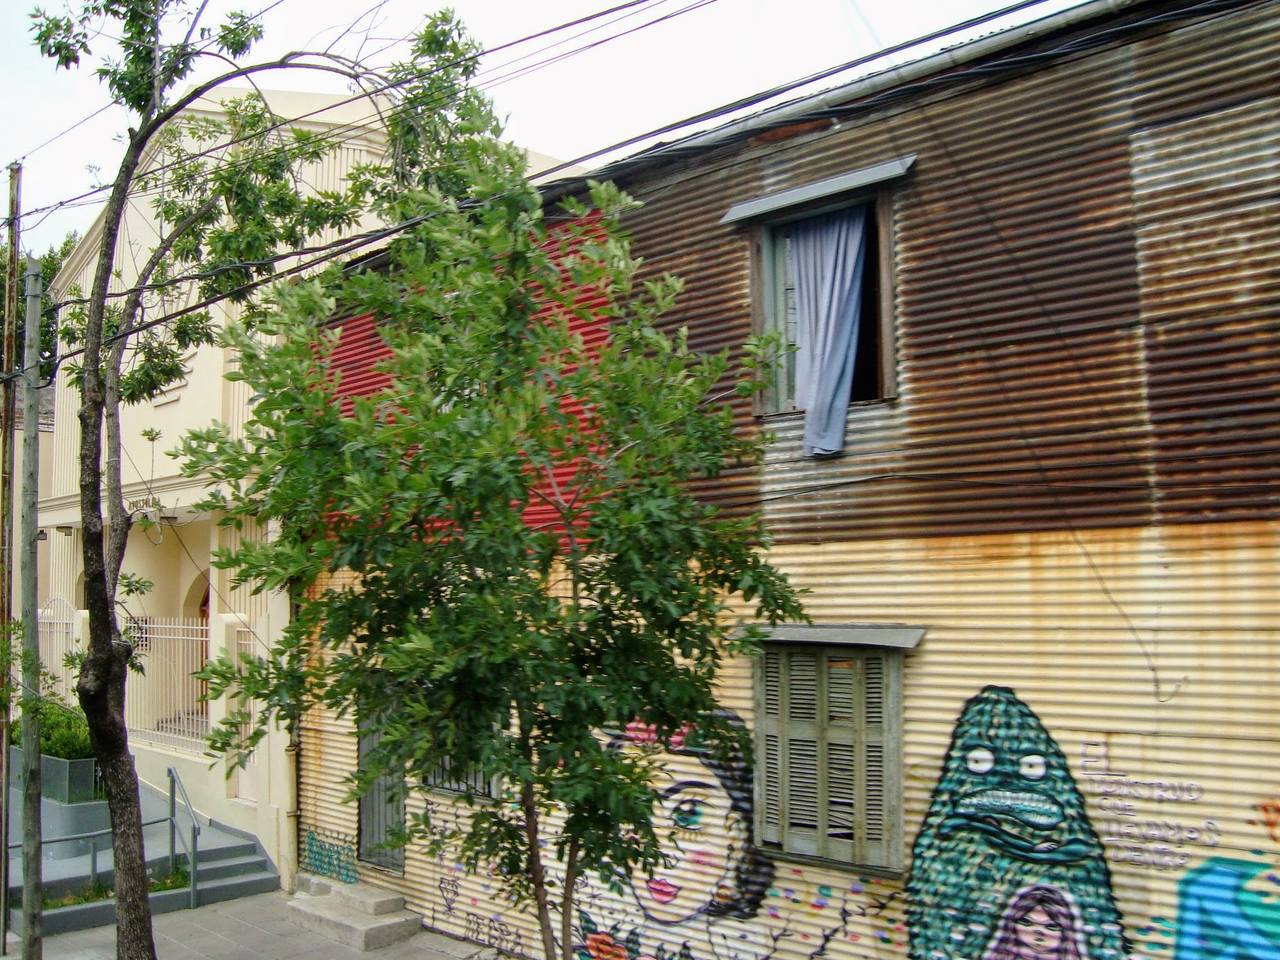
(603, 946)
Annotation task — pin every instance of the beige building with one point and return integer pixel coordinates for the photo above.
(192, 611)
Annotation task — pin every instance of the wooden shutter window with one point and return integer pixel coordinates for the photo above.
(826, 731)
(873, 759)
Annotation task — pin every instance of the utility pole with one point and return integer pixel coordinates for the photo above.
(32, 894)
(8, 354)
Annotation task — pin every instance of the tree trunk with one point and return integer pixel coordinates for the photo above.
(566, 900)
(134, 939)
(101, 687)
(537, 876)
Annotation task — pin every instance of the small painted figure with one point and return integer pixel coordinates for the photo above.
(1039, 924)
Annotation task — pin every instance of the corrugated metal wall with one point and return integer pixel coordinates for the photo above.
(1052, 224)
(1087, 361)
(1149, 655)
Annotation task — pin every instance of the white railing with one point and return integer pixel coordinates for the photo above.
(165, 704)
(57, 632)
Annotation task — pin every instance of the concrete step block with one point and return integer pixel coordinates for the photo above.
(311, 883)
(367, 899)
(331, 917)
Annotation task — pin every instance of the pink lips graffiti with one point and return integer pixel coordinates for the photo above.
(662, 890)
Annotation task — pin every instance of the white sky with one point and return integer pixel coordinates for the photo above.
(716, 52)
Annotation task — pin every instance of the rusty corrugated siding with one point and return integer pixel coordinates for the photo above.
(1206, 164)
(1087, 336)
(1148, 653)
(715, 305)
(1050, 249)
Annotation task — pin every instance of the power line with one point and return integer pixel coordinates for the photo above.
(111, 103)
(357, 128)
(705, 116)
(702, 117)
(346, 245)
(62, 133)
(364, 95)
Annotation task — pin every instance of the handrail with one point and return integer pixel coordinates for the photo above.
(193, 851)
(191, 811)
(93, 834)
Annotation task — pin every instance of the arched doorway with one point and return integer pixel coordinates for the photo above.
(195, 606)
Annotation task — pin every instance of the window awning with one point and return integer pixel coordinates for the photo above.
(833, 186)
(900, 635)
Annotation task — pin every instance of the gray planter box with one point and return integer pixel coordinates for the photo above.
(67, 781)
(100, 913)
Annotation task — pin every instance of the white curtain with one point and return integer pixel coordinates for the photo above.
(827, 254)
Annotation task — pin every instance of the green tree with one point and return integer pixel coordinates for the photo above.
(498, 556)
(50, 264)
(225, 213)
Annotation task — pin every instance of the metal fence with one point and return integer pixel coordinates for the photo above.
(165, 704)
(57, 633)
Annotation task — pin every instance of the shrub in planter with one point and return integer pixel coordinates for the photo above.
(64, 732)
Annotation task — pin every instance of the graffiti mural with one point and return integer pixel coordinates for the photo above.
(334, 858)
(1007, 865)
(1040, 922)
(1227, 910)
(719, 896)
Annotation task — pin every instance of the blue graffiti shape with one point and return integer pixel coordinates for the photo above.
(1219, 919)
(329, 859)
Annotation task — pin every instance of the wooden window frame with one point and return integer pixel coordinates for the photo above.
(770, 267)
(774, 784)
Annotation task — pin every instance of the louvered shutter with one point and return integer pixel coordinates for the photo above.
(769, 755)
(840, 746)
(874, 788)
(802, 784)
(827, 736)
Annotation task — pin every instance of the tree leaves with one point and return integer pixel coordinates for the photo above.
(497, 557)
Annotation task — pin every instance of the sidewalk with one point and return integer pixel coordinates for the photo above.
(251, 928)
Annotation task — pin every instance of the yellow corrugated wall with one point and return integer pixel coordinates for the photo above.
(1150, 657)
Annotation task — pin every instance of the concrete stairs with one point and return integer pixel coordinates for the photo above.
(361, 917)
(234, 870)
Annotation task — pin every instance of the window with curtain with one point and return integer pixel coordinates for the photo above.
(823, 279)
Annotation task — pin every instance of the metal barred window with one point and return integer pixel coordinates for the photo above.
(473, 782)
(828, 761)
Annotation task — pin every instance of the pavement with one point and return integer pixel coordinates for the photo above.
(251, 928)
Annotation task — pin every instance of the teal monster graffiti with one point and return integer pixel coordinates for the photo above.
(1006, 865)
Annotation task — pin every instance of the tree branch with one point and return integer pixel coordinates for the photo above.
(289, 61)
(119, 520)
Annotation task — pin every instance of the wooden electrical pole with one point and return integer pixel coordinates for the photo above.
(8, 356)
(32, 892)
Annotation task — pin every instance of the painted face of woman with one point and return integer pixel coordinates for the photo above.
(1039, 935)
(703, 836)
